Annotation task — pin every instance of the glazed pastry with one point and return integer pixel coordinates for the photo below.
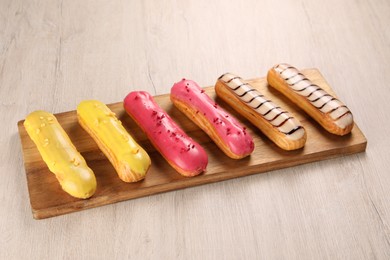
(181, 152)
(223, 128)
(327, 110)
(60, 155)
(277, 124)
(130, 160)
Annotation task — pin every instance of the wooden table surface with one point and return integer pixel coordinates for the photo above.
(54, 54)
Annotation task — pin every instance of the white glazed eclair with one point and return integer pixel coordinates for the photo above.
(327, 110)
(277, 124)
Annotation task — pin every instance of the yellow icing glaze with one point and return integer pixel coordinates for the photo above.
(129, 159)
(60, 155)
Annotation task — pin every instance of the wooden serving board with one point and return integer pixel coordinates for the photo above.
(48, 200)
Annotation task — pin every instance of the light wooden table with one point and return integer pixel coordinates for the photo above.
(53, 54)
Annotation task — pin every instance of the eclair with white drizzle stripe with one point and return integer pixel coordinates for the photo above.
(277, 124)
(327, 110)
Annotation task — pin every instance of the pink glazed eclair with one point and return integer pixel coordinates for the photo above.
(184, 154)
(227, 133)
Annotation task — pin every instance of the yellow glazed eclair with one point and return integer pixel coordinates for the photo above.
(60, 155)
(129, 159)
(327, 110)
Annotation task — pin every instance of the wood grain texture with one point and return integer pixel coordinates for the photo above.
(48, 200)
(53, 54)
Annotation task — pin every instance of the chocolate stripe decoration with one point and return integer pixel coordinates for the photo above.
(239, 86)
(271, 110)
(277, 117)
(246, 92)
(283, 112)
(262, 103)
(322, 100)
(294, 130)
(299, 80)
(233, 79)
(334, 109)
(325, 95)
(311, 85)
(254, 98)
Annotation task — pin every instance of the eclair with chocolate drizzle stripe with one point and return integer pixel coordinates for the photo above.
(129, 159)
(277, 124)
(229, 135)
(184, 154)
(327, 110)
(60, 155)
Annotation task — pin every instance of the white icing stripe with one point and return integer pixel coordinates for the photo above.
(315, 95)
(345, 120)
(330, 105)
(339, 112)
(296, 79)
(318, 97)
(277, 117)
(322, 102)
(279, 120)
(284, 128)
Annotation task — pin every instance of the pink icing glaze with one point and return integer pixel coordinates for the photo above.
(227, 127)
(168, 138)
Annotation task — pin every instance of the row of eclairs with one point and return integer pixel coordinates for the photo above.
(186, 156)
